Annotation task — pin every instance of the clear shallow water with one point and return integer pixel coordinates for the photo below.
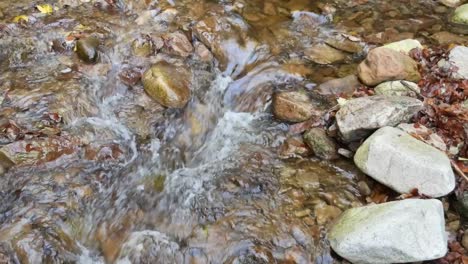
(123, 180)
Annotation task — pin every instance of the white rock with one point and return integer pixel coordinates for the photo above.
(450, 3)
(401, 162)
(459, 57)
(404, 46)
(395, 232)
(360, 116)
(424, 134)
(461, 14)
(397, 88)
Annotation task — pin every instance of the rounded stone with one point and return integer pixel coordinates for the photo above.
(168, 84)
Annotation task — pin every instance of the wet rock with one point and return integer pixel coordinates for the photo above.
(404, 46)
(395, 232)
(293, 106)
(343, 86)
(36, 151)
(230, 42)
(397, 88)
(345, 44)
(294, 147)
(178, 44)
(459, 58)
(86, 49)
(445, 37)
(302, 213)
(321, 144)
(143, 47)
(202, 52)
(360, 116)
(450, 3)
(364, 188)
(453, 226)
(324, 54)
(383, 64)
(149, 246)
(424, 134)
(462, 204)
(465, 240)
(168, 84)
(403, 163)
(461, 14)
(326, 213)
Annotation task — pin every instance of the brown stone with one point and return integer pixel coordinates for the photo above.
(383, 64)
(293, 106)
(168, 84)
(342, 86)
(178, 44)
(324, 54)
(445, 37)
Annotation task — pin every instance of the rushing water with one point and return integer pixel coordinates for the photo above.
(128, 181)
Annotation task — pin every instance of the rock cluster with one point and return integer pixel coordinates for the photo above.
(405, 157)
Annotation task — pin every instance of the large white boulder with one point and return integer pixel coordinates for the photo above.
(401, 162)
(459, 57)
(361, 116)
(395, 232)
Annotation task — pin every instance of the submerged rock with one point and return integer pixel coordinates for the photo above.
(384, 64)
(395, 232)
(324, 54)
(293, 106)
(397, 88)
(404, 46)
(360, 116)
(321, 144)
(168, 84)
(403, 163)
(230, 41)
(143, 47)
(178, 44)
(86, 49)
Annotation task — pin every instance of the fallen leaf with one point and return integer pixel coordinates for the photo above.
(19, 19)
(45, 9)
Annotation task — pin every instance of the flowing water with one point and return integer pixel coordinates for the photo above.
(107, 175)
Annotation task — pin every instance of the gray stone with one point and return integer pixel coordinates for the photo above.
(397, 88)
(459, 57)
(360, 116)
(321, 144)
(395, 232)
(401, 162)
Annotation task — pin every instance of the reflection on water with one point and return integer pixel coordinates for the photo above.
(104, 174)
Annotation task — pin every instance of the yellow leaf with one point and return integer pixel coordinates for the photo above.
(20, 18)
(45, 9)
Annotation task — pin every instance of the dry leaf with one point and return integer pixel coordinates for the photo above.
(45, 9)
